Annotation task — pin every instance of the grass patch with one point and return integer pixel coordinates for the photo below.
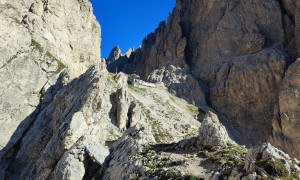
(60, 65)
(111, 79)
(160, 167)
(159, 135)
(112, 133)
(240, 149)
(193, 109)
(134, 176)
(192, 177)
(171, 174)
(37, 46)
(233, 156)
(275, 168)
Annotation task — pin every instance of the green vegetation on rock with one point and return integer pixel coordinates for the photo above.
(274, 168)
(37, 46)
(232, 155)
(60, 66)
(160, 167)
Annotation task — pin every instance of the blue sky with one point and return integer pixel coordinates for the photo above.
(127, 22)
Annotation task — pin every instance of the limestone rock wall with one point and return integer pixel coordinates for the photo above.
(40, 38)
(234, 49)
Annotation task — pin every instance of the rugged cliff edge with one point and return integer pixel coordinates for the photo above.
(237, 53)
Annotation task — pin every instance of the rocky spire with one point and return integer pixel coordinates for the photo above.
(115, 54)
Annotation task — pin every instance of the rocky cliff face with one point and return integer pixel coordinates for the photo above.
(39, 39)
(237, 51)
(286, 121)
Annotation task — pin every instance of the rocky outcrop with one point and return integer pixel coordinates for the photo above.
(212, 132)
(38, 40)
(263, 162)
(116, 60)
(122, 108)
(125, 111)
(121, 164)
(115, 54)
(180, 83)
(271, 161)
(67, 136)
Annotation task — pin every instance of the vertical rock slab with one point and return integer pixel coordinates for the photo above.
(212, 132)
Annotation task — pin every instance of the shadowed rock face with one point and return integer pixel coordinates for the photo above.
(287, 119)
(291, 16)
(286, 125)
(234, 49)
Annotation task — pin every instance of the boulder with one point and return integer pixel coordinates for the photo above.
(121, 80)
(212, 132)
(270, 160)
